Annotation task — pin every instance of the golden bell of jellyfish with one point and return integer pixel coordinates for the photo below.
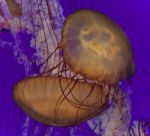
(96, 47)
(59, 101)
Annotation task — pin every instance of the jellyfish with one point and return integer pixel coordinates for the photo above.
(96, 56)
(96, 47)
(63, 102)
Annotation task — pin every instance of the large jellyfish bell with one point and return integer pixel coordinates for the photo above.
(96, 47)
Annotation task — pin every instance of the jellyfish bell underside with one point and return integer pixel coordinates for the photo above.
(96, 47)
(50, 100)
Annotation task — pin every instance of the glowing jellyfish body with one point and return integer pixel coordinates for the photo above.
(96, 47)
(44, 99)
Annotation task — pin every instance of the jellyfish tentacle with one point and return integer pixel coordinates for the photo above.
(80, 105)
(50, 70)
(44, 34)
(63, 94)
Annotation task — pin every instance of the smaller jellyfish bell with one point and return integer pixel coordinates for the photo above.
(95, 47)
(59, 101)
